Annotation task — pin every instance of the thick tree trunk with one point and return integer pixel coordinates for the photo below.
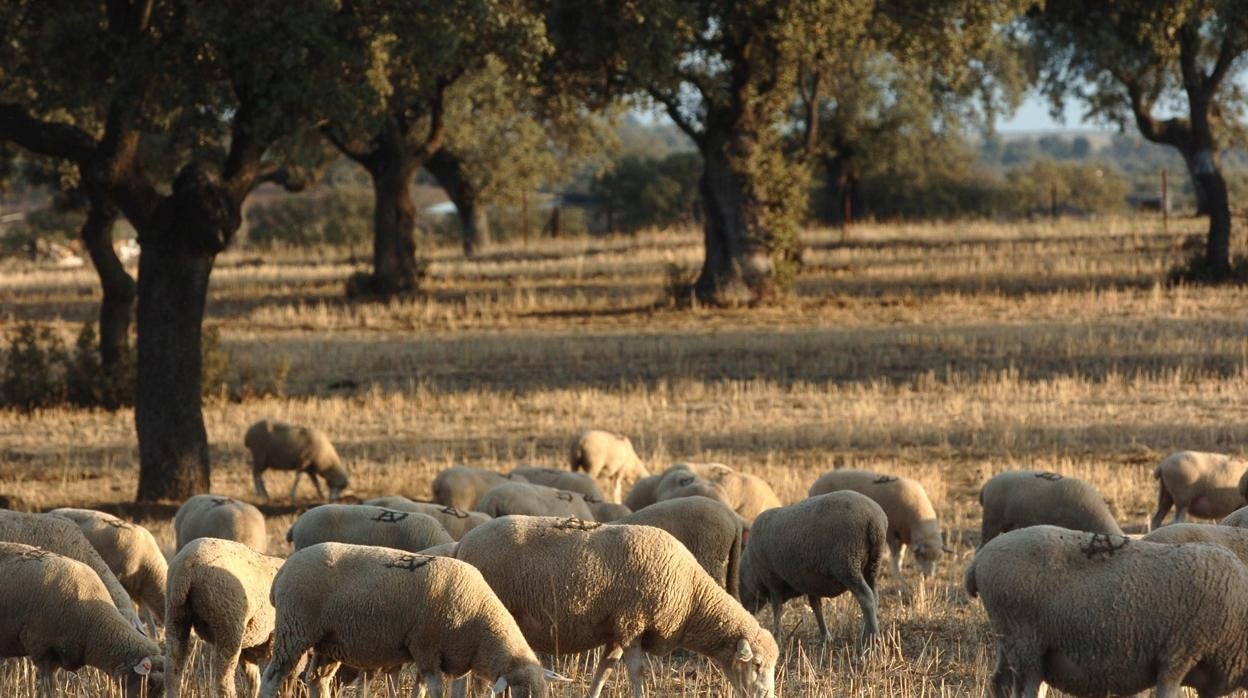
(180, 244)
(119, 290)
(394, 225)
(737, 267)
(840, 201)
(447, 168)
(1218, 244)
(1191, 158)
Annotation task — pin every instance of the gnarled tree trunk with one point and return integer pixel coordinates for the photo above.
(447, 168)
(394, 225)
(117, 305)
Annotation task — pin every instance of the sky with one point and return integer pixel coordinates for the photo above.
(1033, 115)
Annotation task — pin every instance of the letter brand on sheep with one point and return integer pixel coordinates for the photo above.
(1103, 545)
(390, 516)
(411, 563)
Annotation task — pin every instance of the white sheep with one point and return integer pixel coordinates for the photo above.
(607, 512)
(819, 547)
(748, 495)
(912, 520)
(561, 480)
(215, 516)
(1020, 498)
(277, 445)
(710, 530)
(644, 492)
(1229, 537)
(366, 525)
(457, 522)
(375, 608)
(510, 498)
(1237, 518)
(130, 551)
(461, 487)
(57, 612)
(574, 585)
(1201, 484)
(63, 537)
(606, 457)
(1095, 614)
(220, 588)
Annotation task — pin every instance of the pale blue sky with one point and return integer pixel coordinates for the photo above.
(1033, 115)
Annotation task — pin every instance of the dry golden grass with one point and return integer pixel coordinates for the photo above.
(940, 352)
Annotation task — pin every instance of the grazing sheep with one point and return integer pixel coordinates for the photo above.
(366, 525)
(1095, 614)
(57, 612)
(61, 536)
(277, 445)
(457, 522)
(607, 512)
(130, 551)
(1202, 484)
(746, 494)
(220, 589)
(911, 519)
(214, 516)
(606, 457)
(819, 547)
(533, 500)
(1229, 537)
(444, 550)
(375, 608)
(561, 480)
(710, 530)
(644, 492)
(1021, 498)
(1237, 518)
(574, 585)
(461, 487)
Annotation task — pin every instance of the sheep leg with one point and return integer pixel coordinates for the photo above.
(251, 678)
(605, 666)
(618, 485)
(320, 678)
(225, 664)
(177, 642)
(287, 651)
(47, 672)
(1179, 514)
(870, 614)
(633, 660)
(295, 486)
(317, 484)
(258, 480)
(1002, 676)
(1164, 502)
(433, 680)
(777, 609)
(816, 605)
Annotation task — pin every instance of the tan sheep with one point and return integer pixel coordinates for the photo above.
(561, 480)
(215, 516)
(533, 500)
(375, 608)
(607, 512)
(1021, 498)
(130, 551)
(366, 525)
(746, 494)
(575, 585)
(1206, 485)
(277, 445)
(461, 487)
(1237, 518)
(1229, 537)
(818, 548)
(220, 589)
(644, 492)
(710, 530)
(456, 521)
(1096, 614)
(912, 521)
(57, 612)
(607, 458)
(63, 537)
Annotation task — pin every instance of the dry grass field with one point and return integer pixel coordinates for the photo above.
(945, 353)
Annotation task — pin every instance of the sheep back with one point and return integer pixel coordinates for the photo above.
(561, 480)
(711, 531)
(215, 516)
(511, 498)
(457, 522)
(1229, 537)
(1021, 498)
(362, 524)
(461, 487)
(1205, 484)
(129, 550)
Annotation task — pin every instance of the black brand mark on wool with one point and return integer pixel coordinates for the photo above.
(565, 496)
(1103, 545)
(387, 516)
(575, 524)
(118, 523)
(218, 501)
(36, 554)
(1051, 477)
(452, 511)
(884, 480)
(410, 563)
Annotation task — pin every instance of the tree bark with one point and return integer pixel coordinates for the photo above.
(447, 169)
(840, 189)
(117, 305)
(180, 244)
(394, 224)
(1218, 242)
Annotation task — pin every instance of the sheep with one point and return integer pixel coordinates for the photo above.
(746, 494)
(443, 550)
(130, 551)
(574, 585)
(61, 536)
(819, 547)
(710, 530)
(1237, 518)
(606, 512)
(366, 525)
(461, 486)
(561, 480)
(57, 611)
(1229, 537)
(456, 521)
(911, 519)
(1021, 498)
(375, 608)
(215, 516)
(644, 492)
(533, 500)
(277, 445)
(606, 457)
(220, 588)
(1094, 614)
(1202, 484)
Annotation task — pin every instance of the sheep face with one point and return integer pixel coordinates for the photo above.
(926, 555)
(336, 478)
(147, 672)
(527, 681)
(752, 667)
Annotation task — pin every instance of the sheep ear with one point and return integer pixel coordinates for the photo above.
(144, 667)
(744, 653)
(555, 676)
(499, 686)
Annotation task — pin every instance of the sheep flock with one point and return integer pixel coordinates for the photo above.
(546, 581)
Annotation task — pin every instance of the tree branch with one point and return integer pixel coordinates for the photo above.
(437, 122)
(359, 155)
(118, 170)
(1227, 53)
(49, 138)
(1173, 132)
(292, 178)
(674, 113)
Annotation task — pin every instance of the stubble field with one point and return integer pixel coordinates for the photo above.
(945, 353)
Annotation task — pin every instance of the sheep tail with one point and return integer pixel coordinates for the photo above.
(577, 459)
(875, 555)
(972, 589)
(290, 534)
(177, 594)
(733, 582)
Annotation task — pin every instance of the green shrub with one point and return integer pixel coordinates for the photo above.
(33, 369)
(87, 384)
(340, 218)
